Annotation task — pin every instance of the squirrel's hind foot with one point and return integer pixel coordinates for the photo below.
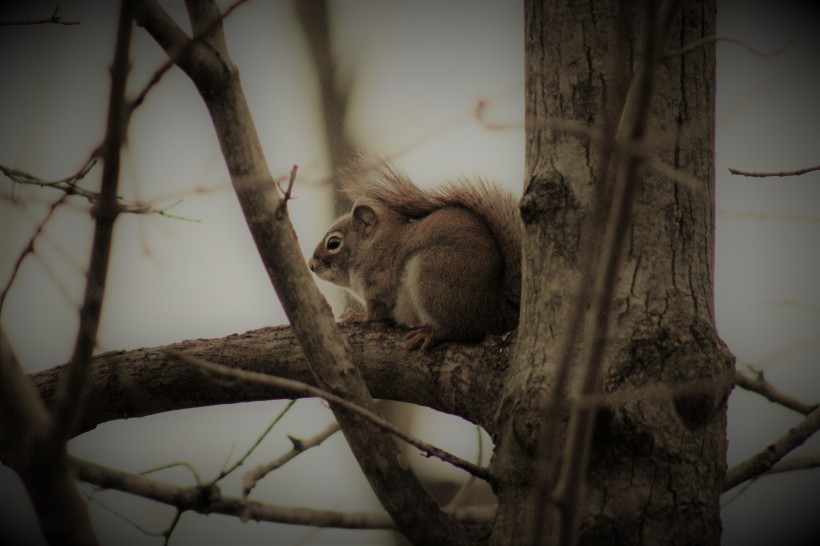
(422, 339)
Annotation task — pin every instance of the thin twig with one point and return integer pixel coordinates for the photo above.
(258, 441)
(481, 116)
(715, 39)
(308, 390)
(123, 517)
(765, 459)
(250, 479)
(759, 385)
(53, 20)
(166, 466)
(210, 501)
(789, 464)
(172, 526)
(286, 194)
(461, 494)
(796, 172)
(70, 187)
(71, 399)
(29, 248)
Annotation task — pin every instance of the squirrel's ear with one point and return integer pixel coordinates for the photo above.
(364, 217)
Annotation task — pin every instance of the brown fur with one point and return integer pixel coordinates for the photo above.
(445, 261)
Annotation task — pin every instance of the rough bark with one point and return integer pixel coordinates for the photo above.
(657, 461)
(461, 379)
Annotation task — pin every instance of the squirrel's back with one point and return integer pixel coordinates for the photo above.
(496, 206)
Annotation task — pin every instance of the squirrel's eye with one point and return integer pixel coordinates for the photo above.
(334, 242)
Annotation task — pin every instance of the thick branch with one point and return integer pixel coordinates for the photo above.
(42, 464)
(457, 379)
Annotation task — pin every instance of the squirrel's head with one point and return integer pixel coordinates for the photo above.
(338, 254)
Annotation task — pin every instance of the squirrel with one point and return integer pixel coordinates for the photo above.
(445, 262)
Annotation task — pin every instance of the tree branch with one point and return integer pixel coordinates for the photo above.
(251, 478)
(69, 187)
(794, 463)
(216, 78)
(54, 20)
(759, 385)
(796, 172)
(459, 379)
(208, 499)
(29, 248)
(766, 458)
(715, 39)
(71, 395)
(27, 446)
(306, 390)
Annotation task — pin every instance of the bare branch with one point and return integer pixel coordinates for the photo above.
(308, 390)
(758, 384)
(286, 194)
(29, 248)
(207, 499)
(70, 187)
(166, 466)
(27, 446)
(766, 458)
(250, 479)
(716, 39)
(796, 172)
(68, 184)
(183, 49)
(54, 20)
(71, 396)
(140, 382)
(241, 460)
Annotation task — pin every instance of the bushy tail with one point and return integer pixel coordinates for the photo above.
(393, 189)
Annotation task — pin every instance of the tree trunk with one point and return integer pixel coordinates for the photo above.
(658, 449)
